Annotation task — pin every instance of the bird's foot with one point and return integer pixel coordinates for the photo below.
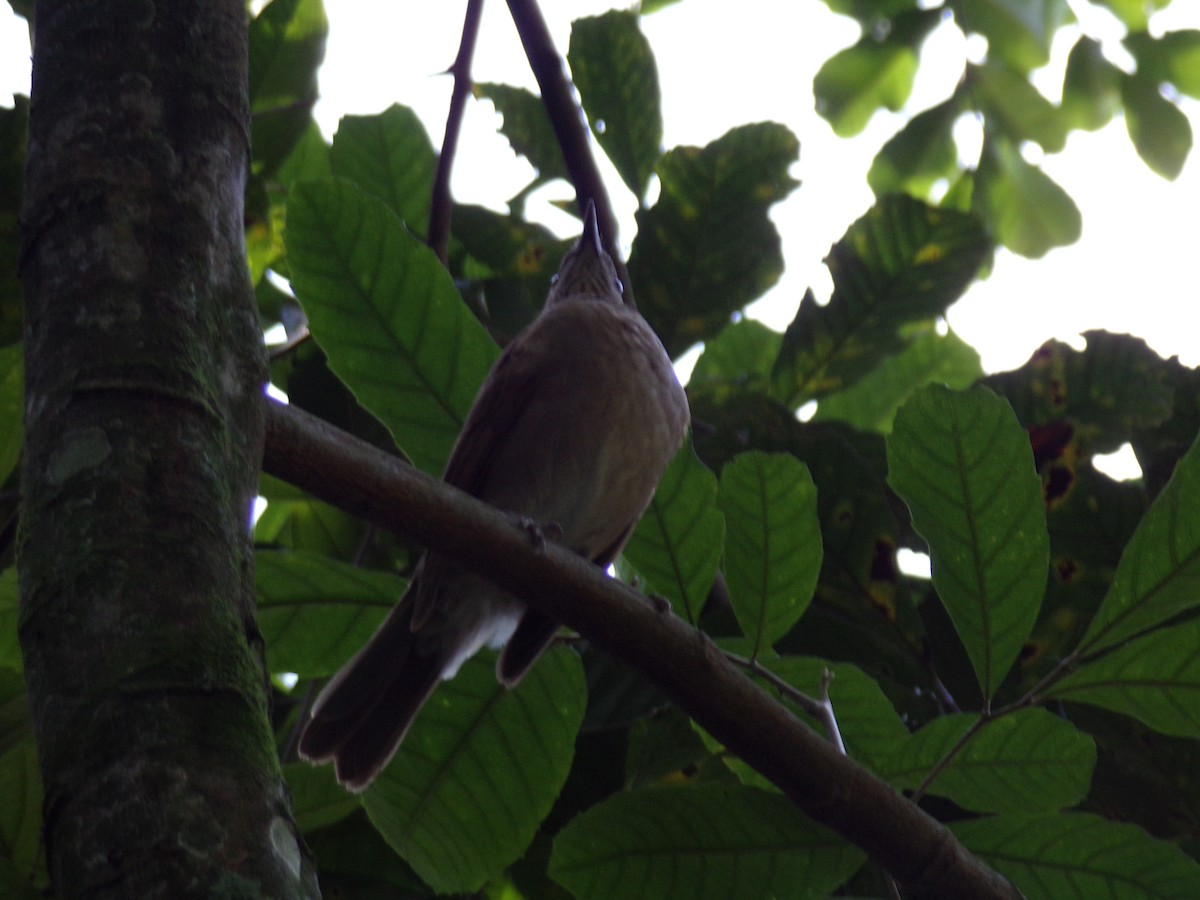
(539, 533)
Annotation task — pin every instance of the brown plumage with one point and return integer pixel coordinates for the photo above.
(571, 429)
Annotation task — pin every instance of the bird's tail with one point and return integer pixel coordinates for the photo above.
(363, 713)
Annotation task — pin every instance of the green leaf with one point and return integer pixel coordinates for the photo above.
(1155, 679)
(871, 12)
(1159, 573)
(1029, 213)
(1015, 108)
(698, 842)
(1134, 14)
(742, 355)
(902, 262)
(10, 604)
(1076, 855)
(963, 465)
(317, 799)
(390, 157)
(1091, 87)
(871, 403)
(287, 45)
(527, 128)
(920, 154)
(677, 543)
(1161, 133)
(613, 68)
(387, 315)
(877, 72)
(1174, 57)
(1023, 762)
(1019, 32)
(1109, 391)
(871, 729)
(316, 612)
(12, 392)
(479, 770)
(295, 520)
(708, 247)
(772, 542)
(21, 811)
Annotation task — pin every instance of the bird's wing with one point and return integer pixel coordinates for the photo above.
(506, 393)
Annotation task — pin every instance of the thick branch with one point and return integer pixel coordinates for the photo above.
(833, 790)
(569, 124)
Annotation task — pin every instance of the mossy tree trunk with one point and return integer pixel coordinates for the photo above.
(144, 430)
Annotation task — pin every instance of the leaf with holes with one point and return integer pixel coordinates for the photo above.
(387, 315)
(708, 246)
(479, 770)
(772, 542)
(902, 262)
(964, 466)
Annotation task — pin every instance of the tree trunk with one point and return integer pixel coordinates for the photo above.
(144, 371)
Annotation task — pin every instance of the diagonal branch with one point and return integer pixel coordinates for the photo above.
(442, 206)
(569, 124)
(340, 469)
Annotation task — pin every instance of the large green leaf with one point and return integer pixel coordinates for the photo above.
(12, 392)
(872, 402)
(317, 798)
(389, 156)
(1159, 573)
(10, 648)
(741, 357)
(527, 127)
(772, 543)
(613, 68)
(1019, 32)
(287, 45)
(21, 812)
(316, 612)
(388, 316)
(1076, 856)
(707, 247)
(702, 842)
(1016, 108)
(964, 466)
(1024, 762)
(1028, 212)
(677, 544)
(1091, 87)
(903, 261)
(1160, 131)
(1173, 57)
(877, 72)
(1155, 679)
(479, 770)
(920, 154)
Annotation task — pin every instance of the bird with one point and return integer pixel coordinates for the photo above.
(570, 432)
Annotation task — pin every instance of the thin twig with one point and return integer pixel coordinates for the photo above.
(569, 124)
(821, 709)
(441, 205)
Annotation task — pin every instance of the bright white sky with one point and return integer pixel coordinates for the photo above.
(1133, 271)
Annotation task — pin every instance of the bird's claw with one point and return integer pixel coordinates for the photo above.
(539, 533)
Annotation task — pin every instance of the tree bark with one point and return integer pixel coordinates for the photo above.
(144, 368)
